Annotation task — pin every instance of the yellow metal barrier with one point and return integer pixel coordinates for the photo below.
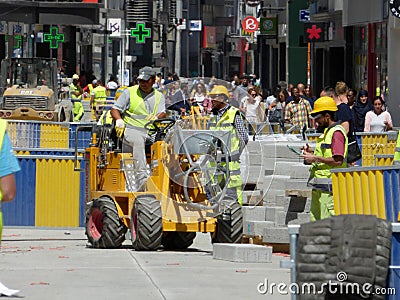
(359, 191)
(57, 193)
(376, 143)
(54, 135)
(384, 159)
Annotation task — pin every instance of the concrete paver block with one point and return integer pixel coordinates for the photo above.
(301, 219)
(296, 184)
(254, 228)
(253, 213)
(294, 170)
(243, 253)
(276, 235)
(271, 213)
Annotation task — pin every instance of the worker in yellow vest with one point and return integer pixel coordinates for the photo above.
(330, 153)
(76, 92)
(229, 118)
(136, 106)
(98, 98)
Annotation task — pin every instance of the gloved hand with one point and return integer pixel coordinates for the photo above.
(119, 127)
(150, 118)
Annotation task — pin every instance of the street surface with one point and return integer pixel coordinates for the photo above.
(56, 264)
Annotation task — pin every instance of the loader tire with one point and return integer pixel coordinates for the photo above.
(178, 240)
(229, 225)
(146, 223)
(104, 228)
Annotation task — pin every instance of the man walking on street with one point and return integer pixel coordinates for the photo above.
(229, 118)
(330, 153)
(297, 111)
(136, 106)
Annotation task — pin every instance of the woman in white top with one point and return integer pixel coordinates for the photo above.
(198, 95)
(378, 120)
(250, 106)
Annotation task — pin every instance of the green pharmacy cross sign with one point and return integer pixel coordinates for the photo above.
(18, 39)
(140, 33)
(53, 37)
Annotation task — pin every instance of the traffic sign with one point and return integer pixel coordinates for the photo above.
(304, 15)
(250, 24)
(114, 25)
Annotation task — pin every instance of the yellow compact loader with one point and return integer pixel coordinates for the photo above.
(185, 192)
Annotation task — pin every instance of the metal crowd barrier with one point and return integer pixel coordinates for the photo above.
(49, 191)
(371, 144)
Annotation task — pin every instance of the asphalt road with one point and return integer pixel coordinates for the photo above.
(56, 264)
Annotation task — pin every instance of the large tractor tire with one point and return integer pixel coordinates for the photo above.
(146, 223)
(177, 240)
(104, 228)
(229, 225)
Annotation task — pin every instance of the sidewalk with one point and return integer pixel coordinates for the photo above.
(55, 264)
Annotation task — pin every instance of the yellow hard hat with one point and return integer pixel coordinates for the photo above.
(219, 90)
(324, 104)
(75, 76)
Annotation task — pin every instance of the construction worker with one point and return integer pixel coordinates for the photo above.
(330, 153)
(8, 166)
(98, 95)
(136, 106)
(76, 97)
(229, 118)
(98, 98)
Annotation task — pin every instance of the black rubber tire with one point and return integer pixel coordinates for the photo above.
(104, 228)
(146, 223)
(229, 225)
(178, 240)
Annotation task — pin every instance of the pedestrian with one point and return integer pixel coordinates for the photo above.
(8, 167)
(112, 86)
(250, 108)
(309, 95)
(229, 118)
(360, 109)
(343, 114)
(378, 120)
(351, 98)
(76, 92)
(330, 153)
(136, 106)
(297, 111)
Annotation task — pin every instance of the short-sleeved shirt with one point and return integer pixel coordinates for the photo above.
(298, 113)
(123, 102)
(9, 163)
(338, 142)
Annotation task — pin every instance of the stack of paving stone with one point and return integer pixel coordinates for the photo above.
(279, 179)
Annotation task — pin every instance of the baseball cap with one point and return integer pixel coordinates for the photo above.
(75, 76)
(145, 73)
